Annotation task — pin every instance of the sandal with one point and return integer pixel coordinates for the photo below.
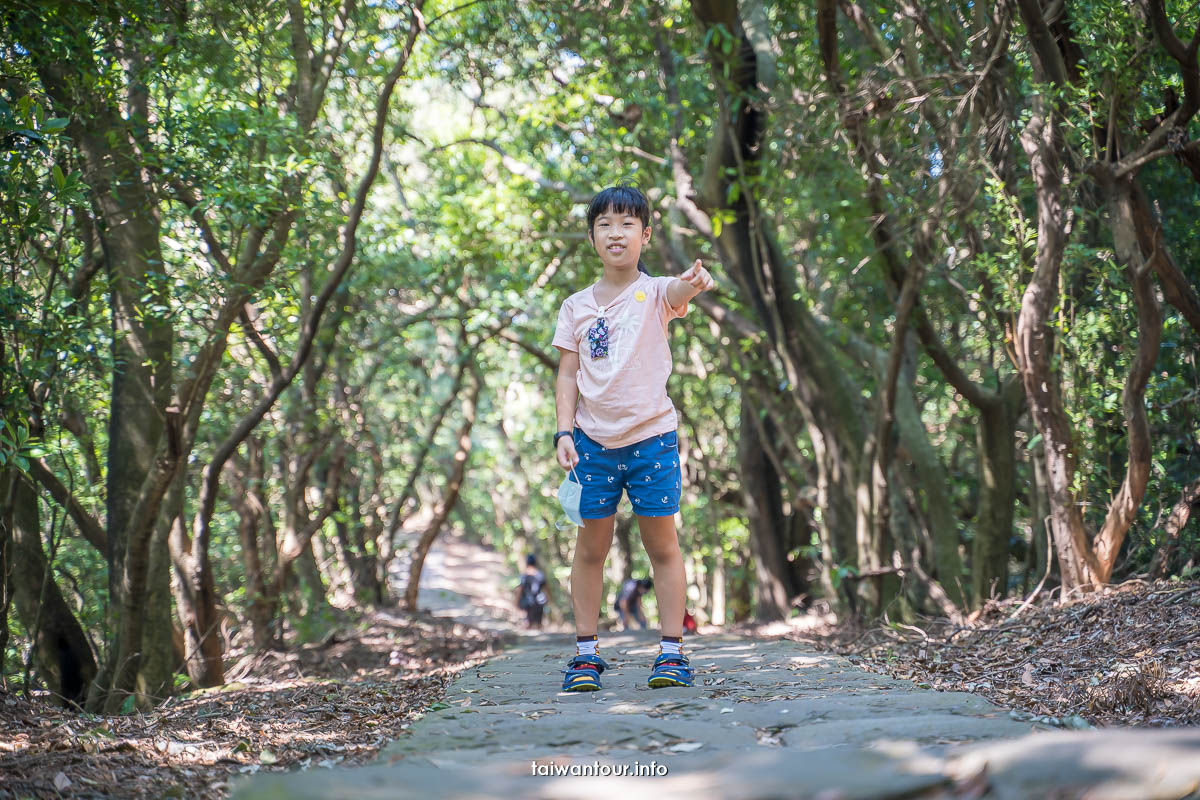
(583, 674)
(670, 670)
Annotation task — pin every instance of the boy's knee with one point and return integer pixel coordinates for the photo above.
(663, 552)
(590, 555)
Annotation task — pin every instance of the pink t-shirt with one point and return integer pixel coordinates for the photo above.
(622, 394)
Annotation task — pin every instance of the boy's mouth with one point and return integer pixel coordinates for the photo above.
(616, 248)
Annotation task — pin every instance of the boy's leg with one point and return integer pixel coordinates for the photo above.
(662, 546)
(587, 572)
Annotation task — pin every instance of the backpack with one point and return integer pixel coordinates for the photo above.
(533, 591)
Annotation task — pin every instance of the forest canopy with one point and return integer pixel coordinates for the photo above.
(280, 281)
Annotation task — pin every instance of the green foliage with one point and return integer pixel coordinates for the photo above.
(507, 116)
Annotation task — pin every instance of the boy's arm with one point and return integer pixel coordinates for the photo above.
(566, 389)
(694, 280)
(566, 396)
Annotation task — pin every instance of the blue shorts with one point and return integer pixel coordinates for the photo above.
(648, 470)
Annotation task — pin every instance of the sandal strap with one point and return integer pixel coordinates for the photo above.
(593, 661)
(668, 658)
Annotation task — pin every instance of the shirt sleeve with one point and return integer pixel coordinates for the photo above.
(564, 330)
(669, 311)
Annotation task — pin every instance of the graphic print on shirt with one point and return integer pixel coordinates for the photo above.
(611, 351)
(598, 339)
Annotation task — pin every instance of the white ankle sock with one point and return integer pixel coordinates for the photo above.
(672, 648)
(587, 647)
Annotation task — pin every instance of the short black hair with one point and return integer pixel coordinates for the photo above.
(646, 583)
(622, 200)
(531, 560)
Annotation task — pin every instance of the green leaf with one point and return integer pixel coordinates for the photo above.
(55, 124)
(60, 180)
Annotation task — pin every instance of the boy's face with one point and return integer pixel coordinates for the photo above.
(619, 239)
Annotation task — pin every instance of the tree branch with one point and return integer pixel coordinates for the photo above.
(312, 322)
(89, 526)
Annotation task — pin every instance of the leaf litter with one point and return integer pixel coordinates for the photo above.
(1127, 655)
(310, 706)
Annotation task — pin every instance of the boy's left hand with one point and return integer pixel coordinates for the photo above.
(698, 277)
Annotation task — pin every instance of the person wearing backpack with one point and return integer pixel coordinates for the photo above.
(531, 593)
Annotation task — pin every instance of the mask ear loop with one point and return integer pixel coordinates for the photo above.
(576, 476)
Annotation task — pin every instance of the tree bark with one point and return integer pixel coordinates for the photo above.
(1189, 503)
(1127, 239)
(61, 652)
(996, 434)
(623, 534)
(249, 501)
(818, 384)
(196, 598)
(142, 343)
(1039, 510)
(1042, 142)
(450, 491)
(763, 497)
(160, 659)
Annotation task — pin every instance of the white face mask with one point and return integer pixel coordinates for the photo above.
(569, 495)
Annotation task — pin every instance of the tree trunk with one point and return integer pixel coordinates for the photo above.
(928, 478)
(196, 598)
(1137, 247)
(1189, 503)
(1042, 142)
(1039, 510)
(623, 533)
(160, 659)
(996, 444)
(818, 384)
(716, 597)
(142, 339)
(253, 530)
(311, 591)
(449, 493)
(61, 652)
(7, 479)
(764, 514)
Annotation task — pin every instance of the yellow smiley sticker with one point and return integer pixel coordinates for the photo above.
(640, 296)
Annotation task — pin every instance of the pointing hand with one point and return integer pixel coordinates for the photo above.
(698, 277)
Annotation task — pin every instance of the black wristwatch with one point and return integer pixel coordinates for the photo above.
(559, 435)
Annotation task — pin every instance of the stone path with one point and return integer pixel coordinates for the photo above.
(766, 719)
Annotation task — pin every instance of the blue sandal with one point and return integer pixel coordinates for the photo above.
(670, 670)
(583, 674)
